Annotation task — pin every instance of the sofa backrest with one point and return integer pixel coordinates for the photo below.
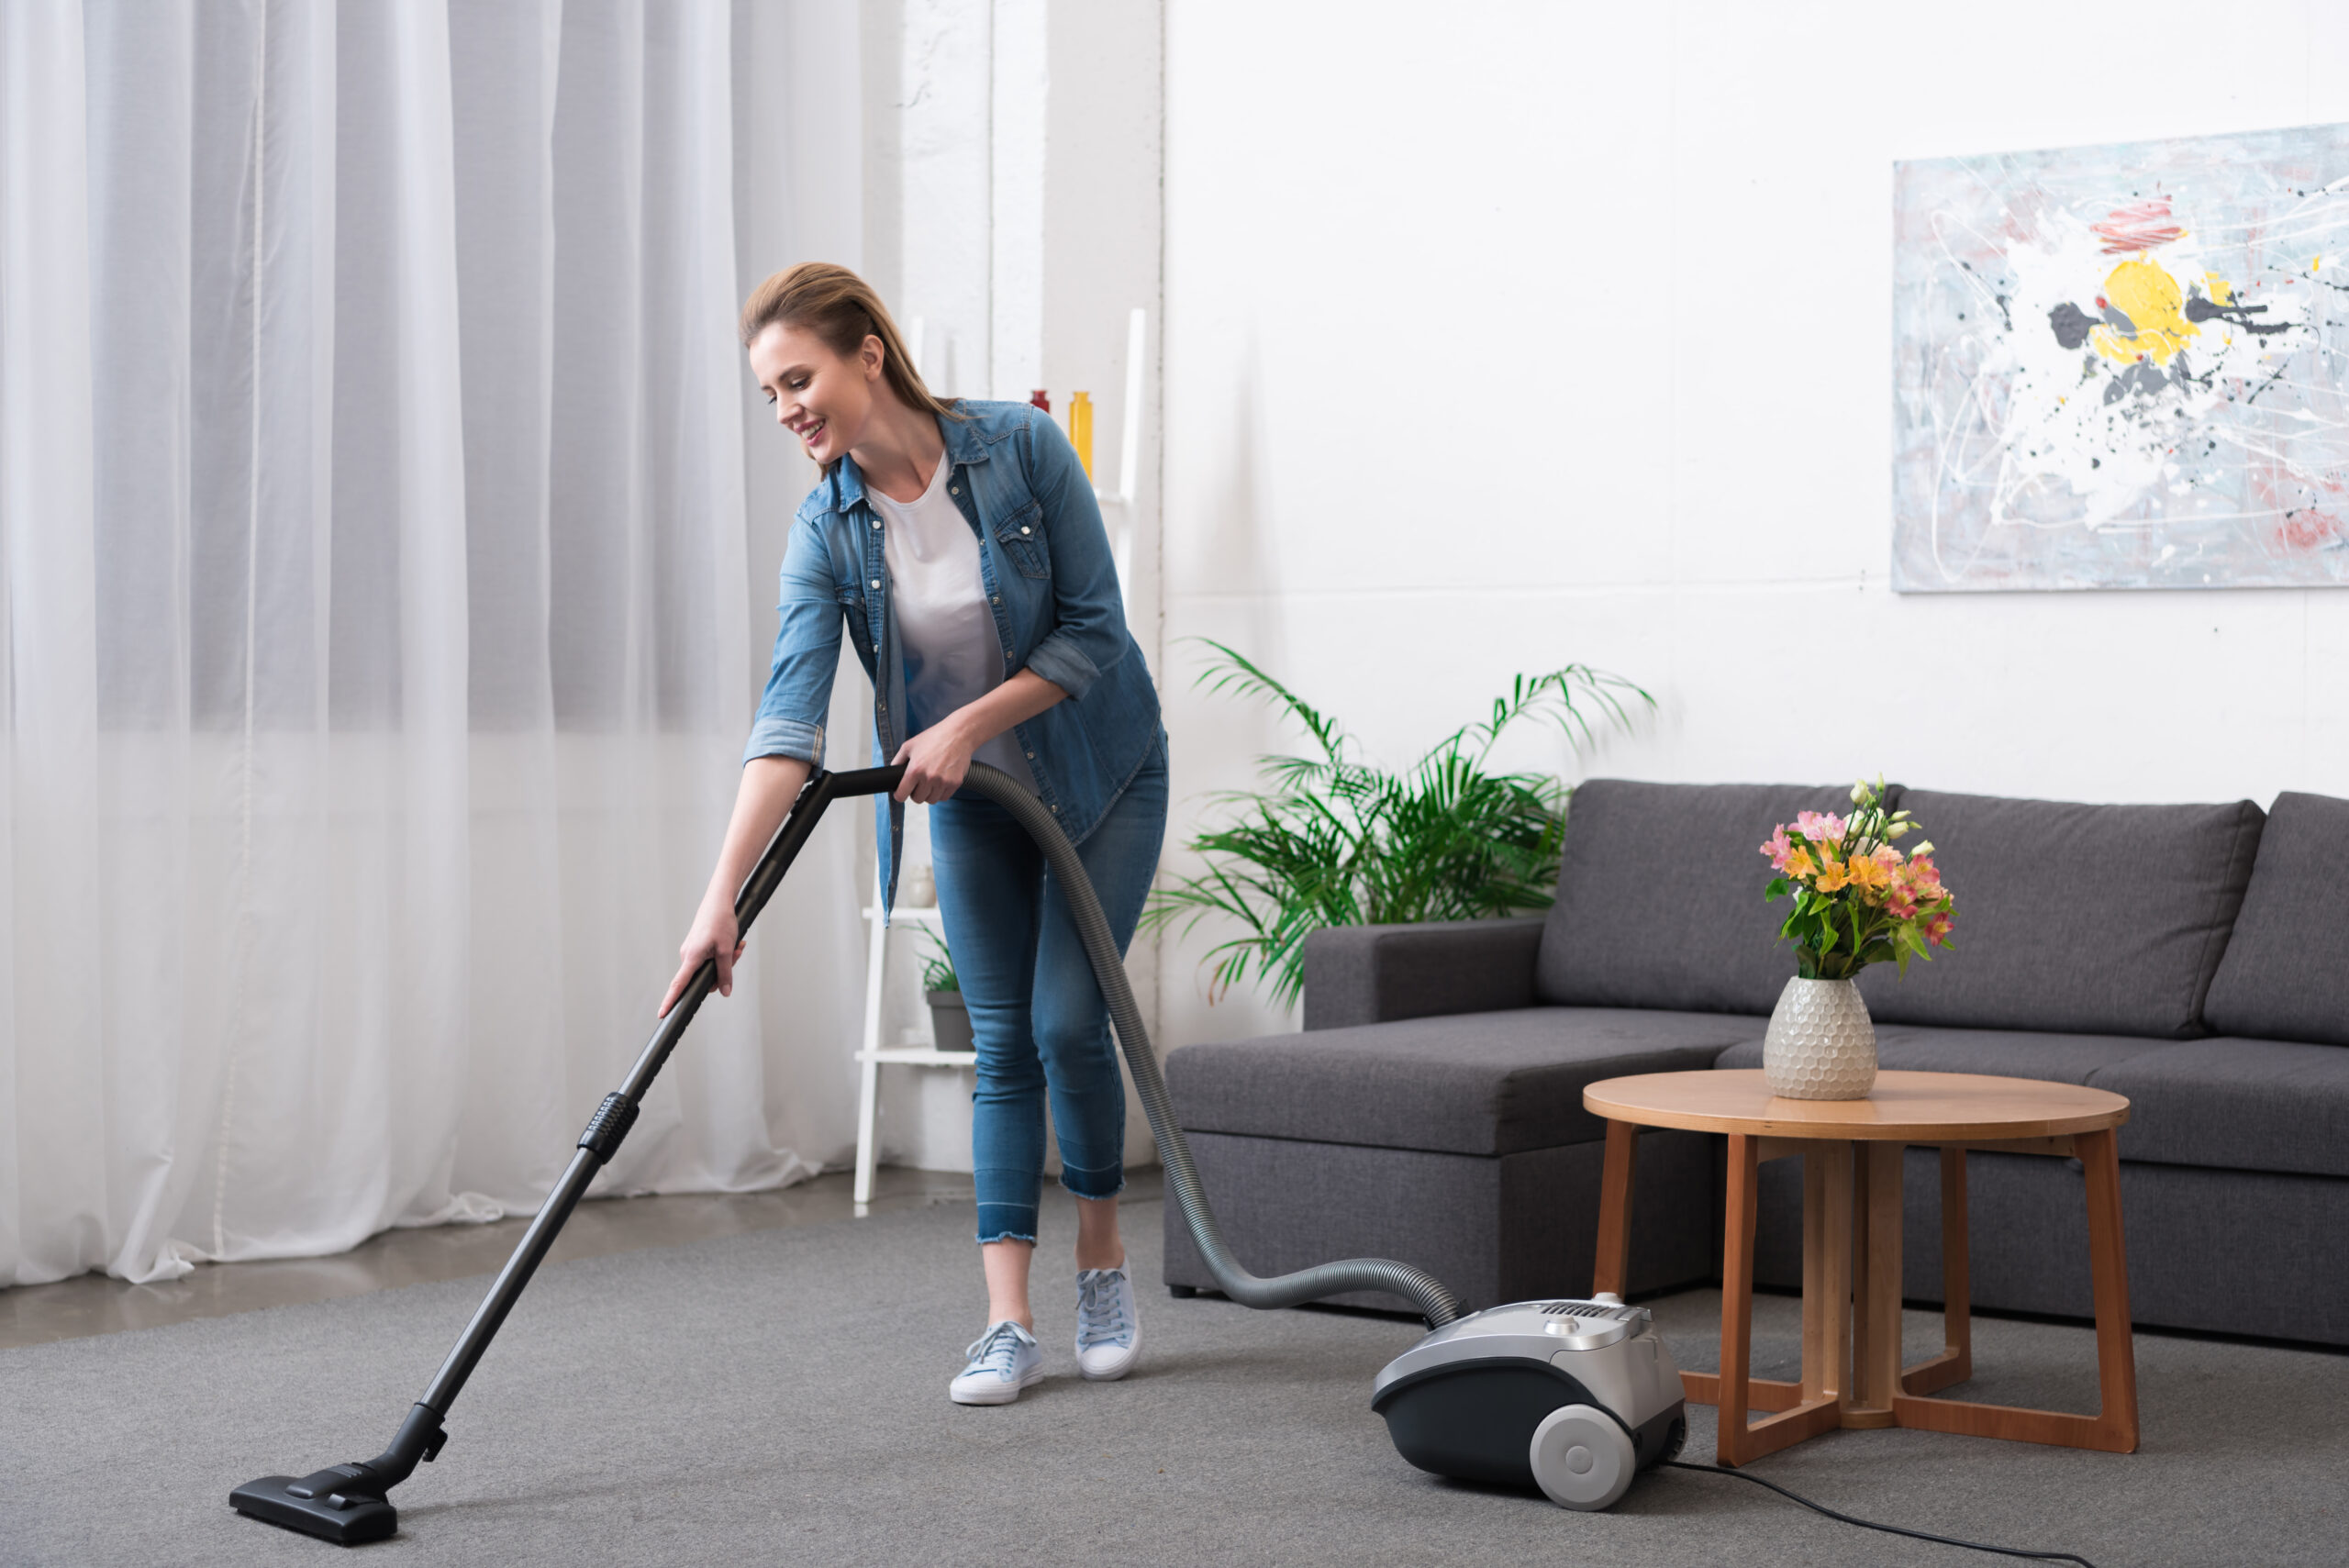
(2280, 978)
(1660, 896)
(2079, 919)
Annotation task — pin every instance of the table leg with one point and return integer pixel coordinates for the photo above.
(2116, 1349)
(1611, 1268)
(1955, 1363)
(1734, 1392)
(1876, 1311)
(1826, 1270)
(1737, 1296)
(2113, 1428)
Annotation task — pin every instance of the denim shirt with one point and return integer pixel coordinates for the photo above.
(1050, 582)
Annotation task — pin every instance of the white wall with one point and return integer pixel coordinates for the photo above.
(1508, 335)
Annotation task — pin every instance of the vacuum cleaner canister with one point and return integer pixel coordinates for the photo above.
(1573, 1397)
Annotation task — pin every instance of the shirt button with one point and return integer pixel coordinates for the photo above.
(1031, 756)
(876, 522)
(1023, 530)
(1056, 811)
(954, 490)
(876, 582)
(997, 600)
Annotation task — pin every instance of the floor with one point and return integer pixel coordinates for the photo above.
(738, 1398)
(93, 1304)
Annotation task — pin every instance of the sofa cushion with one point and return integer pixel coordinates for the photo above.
(1660, 898)
(2004, 1053)
(2237, 1105)
(1472, 1084)
(2281, 976)
(2078, 919)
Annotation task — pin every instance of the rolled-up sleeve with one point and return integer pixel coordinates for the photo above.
(1088, 634)
(799, 693)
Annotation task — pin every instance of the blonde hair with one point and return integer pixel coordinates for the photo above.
(842, 310)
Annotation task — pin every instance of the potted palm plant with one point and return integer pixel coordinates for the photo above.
(1331, 840)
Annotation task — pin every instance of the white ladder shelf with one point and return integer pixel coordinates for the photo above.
(873, 1055)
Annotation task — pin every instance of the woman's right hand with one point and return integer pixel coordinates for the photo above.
(714, 935)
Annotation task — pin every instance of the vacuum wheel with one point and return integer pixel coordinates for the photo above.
(1582, 1458)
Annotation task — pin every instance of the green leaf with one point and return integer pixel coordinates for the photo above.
(1329, 839)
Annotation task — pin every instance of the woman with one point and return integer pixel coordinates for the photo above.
(960, 546)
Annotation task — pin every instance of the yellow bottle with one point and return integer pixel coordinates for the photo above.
(1080, 429)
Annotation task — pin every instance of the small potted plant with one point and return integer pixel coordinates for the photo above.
(1858, 900)
(950, 1020)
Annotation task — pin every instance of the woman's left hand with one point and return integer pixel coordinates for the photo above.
(935, 762)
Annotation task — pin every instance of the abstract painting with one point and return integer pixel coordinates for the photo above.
(2123, 367)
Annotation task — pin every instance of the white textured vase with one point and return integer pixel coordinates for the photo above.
(1821, 1044)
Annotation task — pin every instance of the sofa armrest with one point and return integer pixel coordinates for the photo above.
(1374, 975)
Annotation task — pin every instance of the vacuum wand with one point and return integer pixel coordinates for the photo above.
(349, 1503)
(613, 1118)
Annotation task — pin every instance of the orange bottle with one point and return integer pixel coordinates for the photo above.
(1080, 429)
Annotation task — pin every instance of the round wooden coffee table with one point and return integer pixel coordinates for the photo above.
(1851, 1151)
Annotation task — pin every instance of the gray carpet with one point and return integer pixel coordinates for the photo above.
(780, 1398)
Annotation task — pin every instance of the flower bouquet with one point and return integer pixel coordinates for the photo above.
(1858, 899)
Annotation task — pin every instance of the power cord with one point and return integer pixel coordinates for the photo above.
(1871, 1524)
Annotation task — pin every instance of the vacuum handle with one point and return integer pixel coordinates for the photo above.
(820, 790)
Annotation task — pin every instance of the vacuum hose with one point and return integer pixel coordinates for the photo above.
(1433, 1298)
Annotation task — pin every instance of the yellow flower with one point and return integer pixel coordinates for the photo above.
(1800, 864)
(1833, 874)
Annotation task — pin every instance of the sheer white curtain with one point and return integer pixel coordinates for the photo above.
(372, 627)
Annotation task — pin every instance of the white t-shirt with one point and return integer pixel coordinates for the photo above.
(953, 655)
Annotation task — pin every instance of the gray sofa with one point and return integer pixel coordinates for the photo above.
(2193, 958)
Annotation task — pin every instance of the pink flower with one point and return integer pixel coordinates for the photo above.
(1778, 849)
(1937, 929)
(1898, 904)
(1818, 829)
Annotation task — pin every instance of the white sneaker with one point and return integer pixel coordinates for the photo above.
(1004, 1360)
(1108, 1329)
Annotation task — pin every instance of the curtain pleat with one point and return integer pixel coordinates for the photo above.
(373, 557)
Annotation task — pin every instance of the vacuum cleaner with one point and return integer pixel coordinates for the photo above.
(1571, 1396)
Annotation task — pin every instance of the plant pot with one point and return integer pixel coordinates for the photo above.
(1821, 1044)
(949, 1021)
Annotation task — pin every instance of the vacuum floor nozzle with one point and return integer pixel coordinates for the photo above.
(344, 1504)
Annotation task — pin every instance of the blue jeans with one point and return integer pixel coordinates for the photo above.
(1038, 1019)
